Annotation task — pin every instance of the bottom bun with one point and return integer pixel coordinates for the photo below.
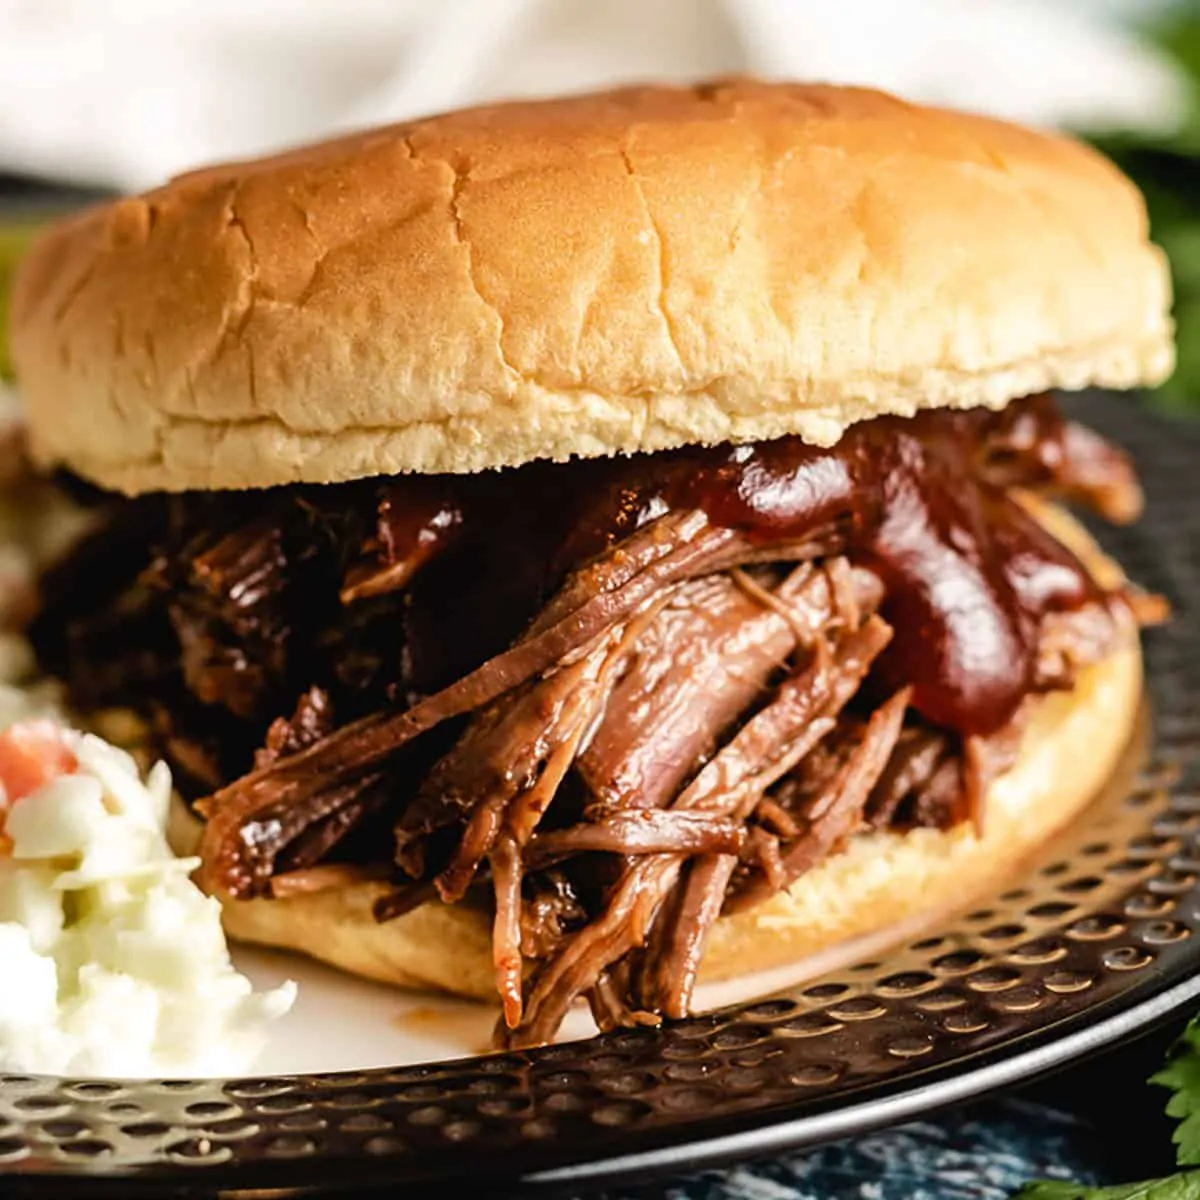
(1071, 744)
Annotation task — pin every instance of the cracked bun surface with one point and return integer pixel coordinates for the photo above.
(634, 270)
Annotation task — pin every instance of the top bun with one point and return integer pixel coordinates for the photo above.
(632, 270)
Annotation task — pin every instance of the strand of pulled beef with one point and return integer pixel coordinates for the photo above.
(698, 667)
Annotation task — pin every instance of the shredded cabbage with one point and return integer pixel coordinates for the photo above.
(113, 961)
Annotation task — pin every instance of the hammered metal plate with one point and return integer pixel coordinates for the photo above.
(1094, 939)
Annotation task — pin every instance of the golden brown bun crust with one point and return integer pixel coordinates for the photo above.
(1071, 746)
(626, 271)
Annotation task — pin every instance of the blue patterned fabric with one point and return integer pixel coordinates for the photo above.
(983, 1151)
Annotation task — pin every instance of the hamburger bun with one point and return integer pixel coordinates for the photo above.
(1071, 745)
(629, 271)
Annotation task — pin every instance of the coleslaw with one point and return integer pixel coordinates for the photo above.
(113, 961)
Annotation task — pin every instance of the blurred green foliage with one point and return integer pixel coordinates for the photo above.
(13, 240)
(1167, 169)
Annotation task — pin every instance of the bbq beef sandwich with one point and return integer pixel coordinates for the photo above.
(569, 549)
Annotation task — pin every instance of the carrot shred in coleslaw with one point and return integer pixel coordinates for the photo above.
(32, 753)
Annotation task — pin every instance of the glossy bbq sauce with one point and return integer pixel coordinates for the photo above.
(968, 574)
(923, 502)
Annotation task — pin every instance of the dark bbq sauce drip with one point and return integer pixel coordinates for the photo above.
(969, 575)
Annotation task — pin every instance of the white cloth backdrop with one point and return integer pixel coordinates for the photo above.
(126, 92)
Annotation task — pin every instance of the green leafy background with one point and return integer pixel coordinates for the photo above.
(1168, 171)
(13, 240)
(1181, 1076)
(1174, 1187)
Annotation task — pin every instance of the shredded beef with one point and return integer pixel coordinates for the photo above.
(507, 874)
(706, 656)
(771, 743)
(609, 699)
(833, 813)
(282, 829)
(669, 972)
(312, 720)
(231, 626)
(324, 877)
(320, 838)
(639, 831)
(1078, 464)
(551, 911)
(917, 755)
(504, 771)
(940, 802)
(703, 661)
(1071, 640)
